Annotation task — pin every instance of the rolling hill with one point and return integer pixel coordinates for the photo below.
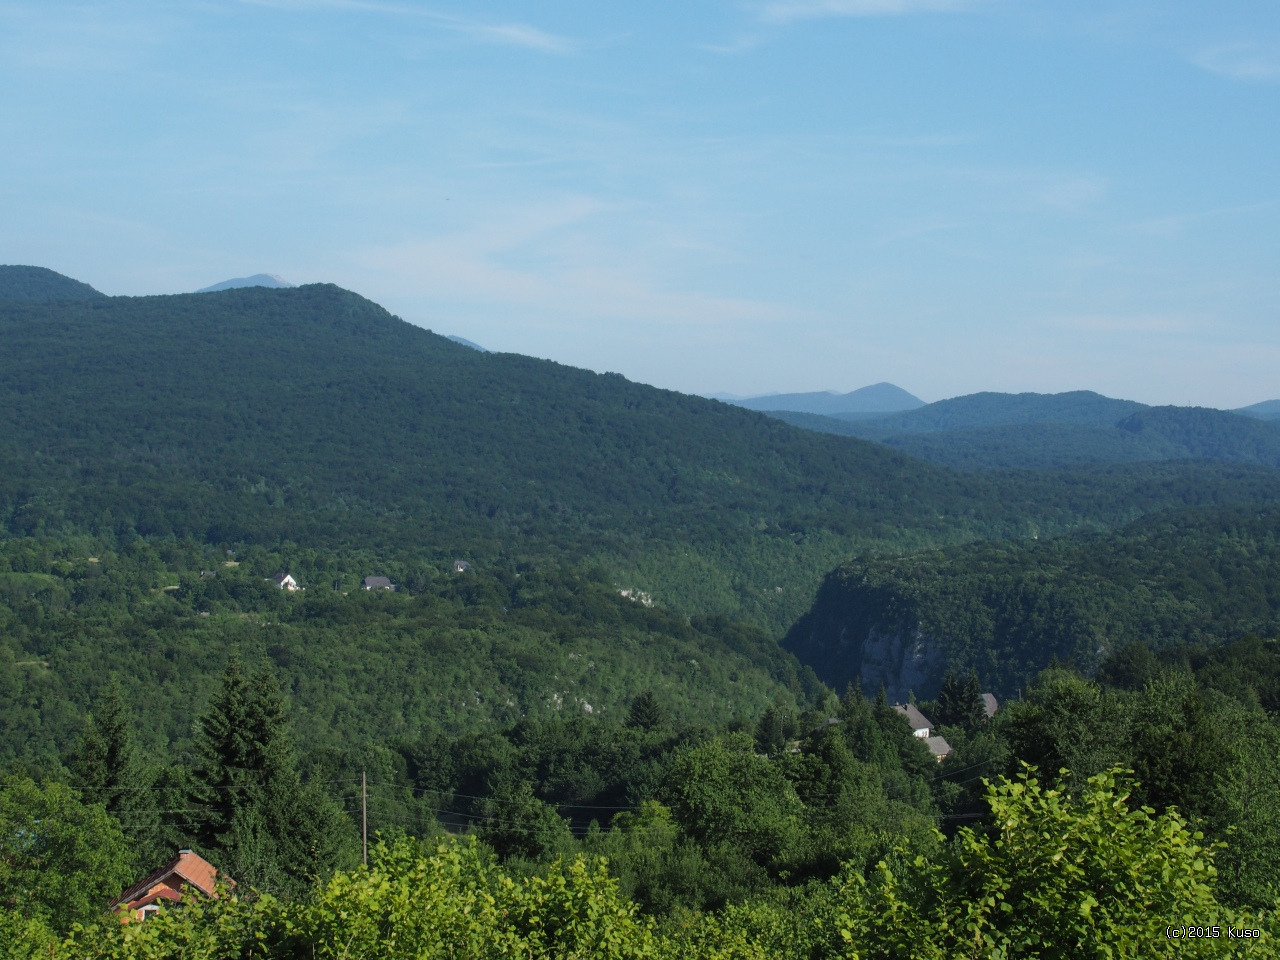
(1266, 410)
(39, 284)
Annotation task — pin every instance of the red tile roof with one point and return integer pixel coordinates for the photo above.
(187, 869)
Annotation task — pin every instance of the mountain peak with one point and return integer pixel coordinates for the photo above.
(877, 398)
(257, 280)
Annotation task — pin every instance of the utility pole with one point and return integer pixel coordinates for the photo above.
(364, 819)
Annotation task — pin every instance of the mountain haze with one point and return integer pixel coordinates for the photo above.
(875, 399)
(1266, 410)
(980, 410)
(257, 280)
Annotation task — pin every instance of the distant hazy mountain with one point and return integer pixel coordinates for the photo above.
(979, 410)
(877, 398)
(1051, 431)
(257, 280)
(1205, 434)
(41, 283)
(1266, 410)
(467, 343)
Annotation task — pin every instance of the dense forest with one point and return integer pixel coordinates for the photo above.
(447, 651)
(312, 416)
(827, 833)
(1008, 609)
(608, 694)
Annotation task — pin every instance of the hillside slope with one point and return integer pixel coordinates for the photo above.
(40, 284)
(311, 415)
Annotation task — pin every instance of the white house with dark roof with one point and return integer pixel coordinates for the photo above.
(920, 725)
(922, 728)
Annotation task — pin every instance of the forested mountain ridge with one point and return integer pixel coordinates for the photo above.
(311, 415)
(989, 409)
(41, 284)
(1266, 410)
(1009, 609)
(1059, 431)
(162, 458)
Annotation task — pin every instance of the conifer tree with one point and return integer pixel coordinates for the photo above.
(861, 732)
(106, 769)
(973, 714)
(646, 714)
(950, 711)
(270, 829)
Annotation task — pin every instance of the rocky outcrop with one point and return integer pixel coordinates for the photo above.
(903, 661)
(858, 631)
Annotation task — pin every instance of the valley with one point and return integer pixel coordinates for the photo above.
(625, 622)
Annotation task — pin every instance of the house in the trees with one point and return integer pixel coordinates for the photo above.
(378, 583)
(285, 582)
(188, 874)
(922, 728)
(461, 566)
(939, 747)
(990, 704)
(920, 725)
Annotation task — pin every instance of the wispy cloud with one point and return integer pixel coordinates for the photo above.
(1242, 61)
(1176, 225)
(77, 38)
(785, 11)
(743, 43)
(1070, 194)
(504, 34)
(552, 261)
(1130, 324)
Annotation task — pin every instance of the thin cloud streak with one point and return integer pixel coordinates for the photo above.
(504, 34)
(1242, 61)
(550, 261)
(786, 11)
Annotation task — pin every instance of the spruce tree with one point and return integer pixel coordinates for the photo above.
(950, 710)
(268, 828)
(974, 713)
(645, 713)
(106, 769)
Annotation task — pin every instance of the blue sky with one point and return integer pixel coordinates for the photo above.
(782, 195)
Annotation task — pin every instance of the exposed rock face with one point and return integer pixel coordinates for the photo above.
(856, 631)
(904, 661)
(895, 654)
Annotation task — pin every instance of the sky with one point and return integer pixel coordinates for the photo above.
(737, 197)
